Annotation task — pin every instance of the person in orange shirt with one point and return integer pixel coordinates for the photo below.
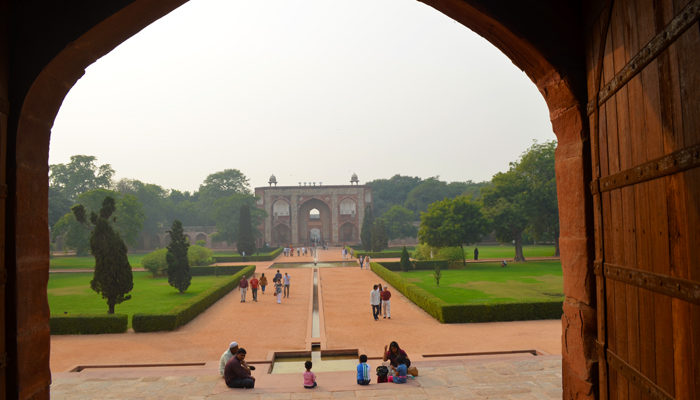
(254, 287)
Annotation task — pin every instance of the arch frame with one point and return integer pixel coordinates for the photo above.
(28, 133)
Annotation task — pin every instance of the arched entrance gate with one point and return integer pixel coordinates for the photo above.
(621, 80)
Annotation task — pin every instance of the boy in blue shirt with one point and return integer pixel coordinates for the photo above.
(363, 371)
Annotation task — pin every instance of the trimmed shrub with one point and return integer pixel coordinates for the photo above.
(216, 270)
(155, 262)
(263, 257)
(450, 254)
(88, 324)
(378, 254)
(184, 313)
(460, 313)
(199, 255)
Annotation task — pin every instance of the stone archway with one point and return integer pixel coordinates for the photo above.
(281, 235)
(314, 215)
(348, 233)
(540, 39)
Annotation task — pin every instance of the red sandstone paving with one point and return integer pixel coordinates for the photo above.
(266, 326)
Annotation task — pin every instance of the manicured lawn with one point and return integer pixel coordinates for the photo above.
(87, 262)
(508, 252)
(71, 293)
(489, 283)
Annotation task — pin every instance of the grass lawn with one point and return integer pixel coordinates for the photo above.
(489, 283)
(71, 293)
(87, 262)
(508, 252)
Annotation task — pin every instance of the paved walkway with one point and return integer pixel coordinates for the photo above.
(265, 327)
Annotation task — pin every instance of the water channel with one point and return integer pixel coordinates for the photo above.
(322, 361)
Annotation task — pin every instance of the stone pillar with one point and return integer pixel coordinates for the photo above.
(267, 206)
(294, 218)
(335, 238)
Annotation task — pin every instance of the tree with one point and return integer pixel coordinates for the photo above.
(537, 169)
(156, 207)
(452, 222)
(80, 175)
(227, 211)
(178, 265)
(246, 238)
(379, 240)
(223, 184)
(399, 222)
(506, 206)
(437, 274)
(391, 192)
(366, 230)
(405, 260)
(112, 277)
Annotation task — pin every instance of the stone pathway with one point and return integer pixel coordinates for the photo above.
(518, 378)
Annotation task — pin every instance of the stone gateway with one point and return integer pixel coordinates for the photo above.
(304, 215)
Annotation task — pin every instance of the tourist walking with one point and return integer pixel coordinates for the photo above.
(263, 282)
(277, 277)
(286, 285)
(476, 253)
(367, 262)
(278, 291)
(374, 301)
(362, 261)
(254, 287)
(386, 302)
(243, 284)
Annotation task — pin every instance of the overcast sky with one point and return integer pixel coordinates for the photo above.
(308, 90)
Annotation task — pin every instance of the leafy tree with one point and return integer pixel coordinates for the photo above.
(199, 255)
(505, 204)
(399, 222)
(366, 230)
(452, 222)
(80, 175)
(59, 205)
(128, 219)
(156, 262)
(112, 277)
(227, 211)
(437, 274)
(391, 192)
(223, 184)
(178, 265)
(155, 204)
(405, 260)
(536, 166)
(379, 240)
(246, 238)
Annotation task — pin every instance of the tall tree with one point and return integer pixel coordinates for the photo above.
(453, 222)
(246, 237)
(80, 175)
(399, 222)
(156, 207)
(112, 277)
(178, 264)
(379, 240)
(227, 212)
(366, 230)
(536, 166)
(505, 204)
(391, 192)
(405, 259)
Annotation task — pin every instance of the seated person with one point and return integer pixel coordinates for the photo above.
(393, 352)
(309, 377)
(237, 374)
(363, 371)
(401, 370)
(228, 354)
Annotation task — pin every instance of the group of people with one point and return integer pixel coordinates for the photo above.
(289, 251)
(396, 368)
(380, 300)
(363, 260)
(281, 286)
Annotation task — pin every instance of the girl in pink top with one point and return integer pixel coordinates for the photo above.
(309, 377)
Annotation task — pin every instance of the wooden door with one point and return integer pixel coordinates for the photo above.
(643, 63)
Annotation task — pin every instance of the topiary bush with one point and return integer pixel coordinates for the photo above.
(199, 255)
(88, 324)
(155, 262)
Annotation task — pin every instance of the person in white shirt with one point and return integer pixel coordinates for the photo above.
(375, 302)
(228, 354)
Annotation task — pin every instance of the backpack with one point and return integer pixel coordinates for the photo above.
(382, 373)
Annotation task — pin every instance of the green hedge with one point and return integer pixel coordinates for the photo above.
(264, 257)
(183, 314)
(211, 270)
(88, 324)
(418, 265)
(460, 313)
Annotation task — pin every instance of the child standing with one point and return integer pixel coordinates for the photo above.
(309, 377)
(363, 371)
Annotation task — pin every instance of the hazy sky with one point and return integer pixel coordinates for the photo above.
(308, 90)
